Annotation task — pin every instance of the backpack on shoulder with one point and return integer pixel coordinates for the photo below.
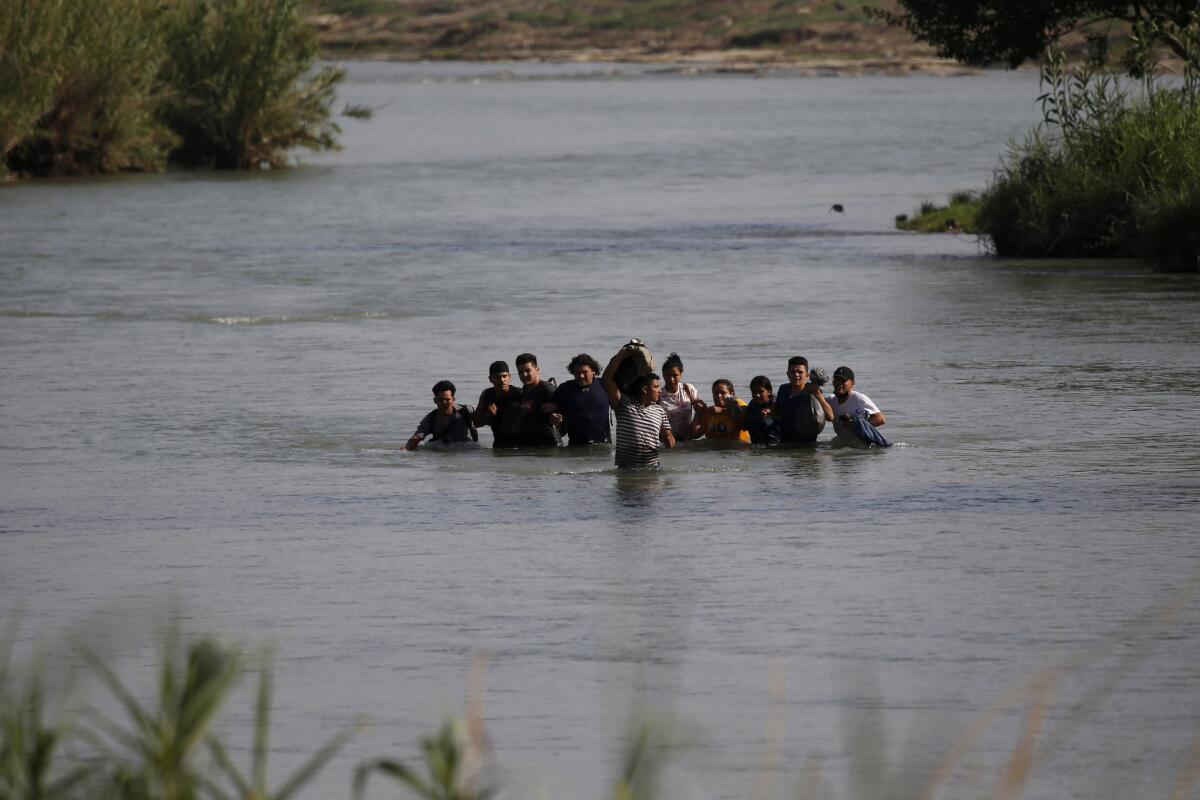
(443, 436)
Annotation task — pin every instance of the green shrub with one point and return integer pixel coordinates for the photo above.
(1111, 172)
(959, 216)
(1170, 228)
(30, 50)
(108, 85)
(83, 88)
(241, 93)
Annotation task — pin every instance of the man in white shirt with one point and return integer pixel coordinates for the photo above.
(847, 403)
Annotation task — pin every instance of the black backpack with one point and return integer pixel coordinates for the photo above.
(465, 413)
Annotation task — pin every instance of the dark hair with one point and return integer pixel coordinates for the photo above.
(639, 384)
(725, 382)
(760, 382)
(527, 358)
(443, 386)
(581, 360)
(793, 361)
(673, 360)
(497, 367)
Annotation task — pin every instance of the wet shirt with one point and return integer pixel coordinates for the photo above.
(536, 430)
(800, 416)
(502, 401)
(639, 429)
(455, 428)
(585, 412)
(718, 423)
(679, 408)
(856, 403)
(763, 428)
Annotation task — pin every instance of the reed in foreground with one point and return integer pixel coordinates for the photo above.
(240, 93)
(164, 748)
(80, 86)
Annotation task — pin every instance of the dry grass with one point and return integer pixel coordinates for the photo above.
(609, 29)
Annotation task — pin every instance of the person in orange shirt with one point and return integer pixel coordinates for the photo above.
(725, 419)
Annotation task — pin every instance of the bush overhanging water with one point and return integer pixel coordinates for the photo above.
(1112, 171)
(111, 85)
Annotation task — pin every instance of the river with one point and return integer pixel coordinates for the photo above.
(208, 380)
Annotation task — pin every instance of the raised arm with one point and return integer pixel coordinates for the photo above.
(609, 378)
(483, 411)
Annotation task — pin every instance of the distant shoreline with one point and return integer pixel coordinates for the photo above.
(743, 62)
(758, 37)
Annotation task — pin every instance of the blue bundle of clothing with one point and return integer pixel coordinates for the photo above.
(867, 433)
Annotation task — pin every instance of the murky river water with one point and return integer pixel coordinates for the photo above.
(208, 380)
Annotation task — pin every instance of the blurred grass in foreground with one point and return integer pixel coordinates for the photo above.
(164, 748)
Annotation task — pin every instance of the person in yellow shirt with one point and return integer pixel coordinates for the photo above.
(725, 419)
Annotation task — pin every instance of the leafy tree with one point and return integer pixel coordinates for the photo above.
(1013, 31)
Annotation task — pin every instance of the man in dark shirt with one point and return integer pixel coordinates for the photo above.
(448, 423)
(535, 428)
(499, 396)
(800, 406)
(582, 404)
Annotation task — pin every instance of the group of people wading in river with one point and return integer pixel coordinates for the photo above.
(651, 411)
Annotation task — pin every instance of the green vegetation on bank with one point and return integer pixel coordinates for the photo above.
(112, 85)
(1113, 170)
(1110, 173)
(957, 216)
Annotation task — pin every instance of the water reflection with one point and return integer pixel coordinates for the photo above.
(808, 463)
(636, 493)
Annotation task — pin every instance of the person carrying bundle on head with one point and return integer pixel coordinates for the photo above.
(642, 424)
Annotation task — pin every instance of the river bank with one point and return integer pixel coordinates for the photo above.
(717, 62)
(820, 37)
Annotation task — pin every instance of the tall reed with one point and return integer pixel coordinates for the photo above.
(79, 86)
(109, 85)
(242, 91)
(30, 743)
(1112, 171)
